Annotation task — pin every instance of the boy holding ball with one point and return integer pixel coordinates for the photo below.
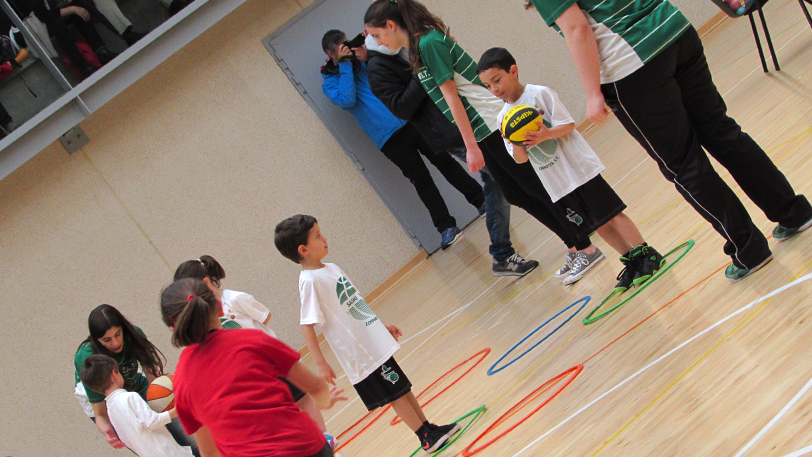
(569, 169)
(140, 428)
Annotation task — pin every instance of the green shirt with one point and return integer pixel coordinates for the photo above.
(443, 60)
(629, 32)
(127, 364)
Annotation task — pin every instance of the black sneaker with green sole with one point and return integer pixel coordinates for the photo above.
(649, 262)
(626, 275)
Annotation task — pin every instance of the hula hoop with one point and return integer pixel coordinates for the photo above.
(493, 370)
(484, 354)
(589, 319)
(349, 440)
(574, 371)
(476, 413)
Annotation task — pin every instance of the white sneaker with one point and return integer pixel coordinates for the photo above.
(565, 270)
(581, 265)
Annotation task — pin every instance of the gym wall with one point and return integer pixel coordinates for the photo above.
(203, 155)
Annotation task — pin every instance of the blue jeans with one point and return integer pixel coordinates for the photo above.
(497, 212)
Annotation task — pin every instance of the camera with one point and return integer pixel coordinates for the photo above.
(356, 42)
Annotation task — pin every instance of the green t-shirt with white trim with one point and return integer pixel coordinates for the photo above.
(134, 381)
(629, 32)
(443, 60)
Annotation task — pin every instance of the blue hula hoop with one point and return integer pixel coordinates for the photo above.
(493, 370)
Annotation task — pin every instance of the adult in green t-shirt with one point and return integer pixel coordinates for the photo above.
(113, 335)
(646, 61)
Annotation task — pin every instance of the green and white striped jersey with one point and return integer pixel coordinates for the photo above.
(443, 60)
(629, 32)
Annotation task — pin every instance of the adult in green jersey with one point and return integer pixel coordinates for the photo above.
(645, 60)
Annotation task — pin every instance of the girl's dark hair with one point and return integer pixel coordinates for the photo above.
(410, 15)
(203, 267)
(188, 305)
(105, 317)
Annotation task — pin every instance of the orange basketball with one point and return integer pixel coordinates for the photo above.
(159, 394)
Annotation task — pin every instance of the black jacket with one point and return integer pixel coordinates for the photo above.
(393, 83)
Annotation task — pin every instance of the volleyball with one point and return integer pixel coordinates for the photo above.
(517, 121)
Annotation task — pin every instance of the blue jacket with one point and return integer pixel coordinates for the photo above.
(348, 88)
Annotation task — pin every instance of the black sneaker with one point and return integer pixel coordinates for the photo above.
(435, 437)
(649, 262)
(514, 265)
(450, 235)
(627, 274)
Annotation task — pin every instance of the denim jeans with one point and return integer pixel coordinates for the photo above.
(497, 212)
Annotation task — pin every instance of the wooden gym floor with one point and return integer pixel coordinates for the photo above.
(713, 369)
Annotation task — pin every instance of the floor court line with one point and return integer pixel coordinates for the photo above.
(664, 356)
(800, 452)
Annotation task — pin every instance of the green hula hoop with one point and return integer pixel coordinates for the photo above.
(589, 319)
(476, 413)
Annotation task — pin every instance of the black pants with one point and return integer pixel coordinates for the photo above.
(59, 29)
(404, 149)
(522, 187)
(673, 109)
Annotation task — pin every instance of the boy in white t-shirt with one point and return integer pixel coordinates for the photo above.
(569, 169)
(363, 345)
(140, 428)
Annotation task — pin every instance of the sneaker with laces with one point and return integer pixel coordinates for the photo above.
(735, 274)
(565, 270)
(581, 265)
(435, 437)
(450, 235)
(330, 440)
(514, 265)
(781, 233)
(649, 262)
(626, 275)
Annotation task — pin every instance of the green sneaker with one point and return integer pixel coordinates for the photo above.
(781, 233)
(735, 274)
(649, 262)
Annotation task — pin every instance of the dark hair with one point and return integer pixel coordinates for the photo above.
(498, 58)
(411, 16)
(105, 317)
(292, 233)
(204, 267)
(96, 372)
(331, 39)
(188, 305)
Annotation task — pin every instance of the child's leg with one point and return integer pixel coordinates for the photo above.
(308, 405)
(621, 233)
(409, 411)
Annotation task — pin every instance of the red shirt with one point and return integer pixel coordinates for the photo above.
(231, 385)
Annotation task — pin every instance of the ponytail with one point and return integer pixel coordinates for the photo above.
(409, 15)
(204, 267)
(188, 305)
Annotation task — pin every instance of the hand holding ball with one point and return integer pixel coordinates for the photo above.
(519, 120)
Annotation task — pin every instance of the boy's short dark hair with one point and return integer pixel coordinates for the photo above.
(292, 233)
(495, 58)
(331, 39)
(96, 373)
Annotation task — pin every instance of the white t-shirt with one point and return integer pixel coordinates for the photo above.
(359, 340)
(563, 164)
(140, 428)
(242, 310)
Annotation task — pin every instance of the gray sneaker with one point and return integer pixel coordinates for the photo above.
(581, 265)
(565, 270)
(514, 265)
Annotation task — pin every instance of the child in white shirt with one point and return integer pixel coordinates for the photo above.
(363, 345)
(140, 428)
(569, 169)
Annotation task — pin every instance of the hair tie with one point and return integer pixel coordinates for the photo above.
(171, 320)
(204, 263)
(189, 298)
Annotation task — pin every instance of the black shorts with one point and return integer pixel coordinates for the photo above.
(590, 206)
(385, 385)
(295, 391)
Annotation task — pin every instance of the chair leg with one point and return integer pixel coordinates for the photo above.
(806, 11)
(758, 44)
(769, 39)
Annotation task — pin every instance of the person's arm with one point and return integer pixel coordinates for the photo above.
(393, 330)
(247, 304)
(341, 89)
(77, 10)
(325, 370)
(104, 426)
(403, 100)
(205, 443)
(544, 133)
(584, 50)
(473, 155)
(324, 396)
(146, 416)
(519, 153)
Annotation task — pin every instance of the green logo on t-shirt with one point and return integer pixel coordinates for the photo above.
(356, 306)
(543, 152)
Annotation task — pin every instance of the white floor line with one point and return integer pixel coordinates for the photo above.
(775, 419)
(342, 410)
(800, 452)
(666, 355)
(630, 172)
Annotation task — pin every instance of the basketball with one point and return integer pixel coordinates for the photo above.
(159, 394)
(517, 121)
